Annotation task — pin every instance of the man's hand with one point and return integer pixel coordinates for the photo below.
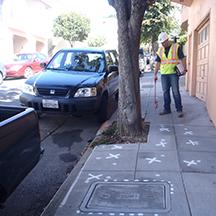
(185, 71)
(155, 77)
(157, 68)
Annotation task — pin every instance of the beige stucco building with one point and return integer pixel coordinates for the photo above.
(24, 26)
(199, 19)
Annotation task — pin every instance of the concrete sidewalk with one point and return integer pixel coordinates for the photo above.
(174, 173)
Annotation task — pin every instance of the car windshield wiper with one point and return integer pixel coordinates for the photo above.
(48, 68)
(69, 68)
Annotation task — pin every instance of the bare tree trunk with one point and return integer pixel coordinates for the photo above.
(71, 43)
(130, 15)
(154, 46)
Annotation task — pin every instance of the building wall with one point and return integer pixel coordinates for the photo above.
(196, 14)
(24, 27)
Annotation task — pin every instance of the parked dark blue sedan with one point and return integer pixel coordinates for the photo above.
(75, 81)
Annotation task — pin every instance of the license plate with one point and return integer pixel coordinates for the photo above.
(50, 104)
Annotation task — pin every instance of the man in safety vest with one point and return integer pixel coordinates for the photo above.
(168, 56)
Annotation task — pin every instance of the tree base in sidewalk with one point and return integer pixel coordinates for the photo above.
(112, 136)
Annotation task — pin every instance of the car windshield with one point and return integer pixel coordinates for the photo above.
(23, 57)
(78, 61)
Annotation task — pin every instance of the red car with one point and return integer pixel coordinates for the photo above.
(25, 65)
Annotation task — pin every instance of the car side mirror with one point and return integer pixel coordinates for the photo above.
(112, 68)
(36, 60)
(43, 64)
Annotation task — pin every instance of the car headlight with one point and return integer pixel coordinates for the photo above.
(28, 89)
(86, 92)
(16, 67)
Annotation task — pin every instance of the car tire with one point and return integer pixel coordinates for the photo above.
(1, 78)
(103, 109)
(28, 72)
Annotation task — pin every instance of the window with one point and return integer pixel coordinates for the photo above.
(114, 57)
(41, 57)
(78, 61)
(109, 60)
(204, 34)
(56, 61)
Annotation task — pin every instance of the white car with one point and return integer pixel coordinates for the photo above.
(2, 72)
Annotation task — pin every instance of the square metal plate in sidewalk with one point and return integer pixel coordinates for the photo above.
(142, 197)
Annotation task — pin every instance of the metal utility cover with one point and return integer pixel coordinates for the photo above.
(145, 197)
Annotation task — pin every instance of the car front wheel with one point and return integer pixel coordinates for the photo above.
(103, 109)
(1, 77)
(28, 72)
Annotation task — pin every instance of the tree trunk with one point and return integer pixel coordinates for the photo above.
(130, 15)
(71, 43)
(154, 46)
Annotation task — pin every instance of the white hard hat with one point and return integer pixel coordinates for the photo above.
(162, 37)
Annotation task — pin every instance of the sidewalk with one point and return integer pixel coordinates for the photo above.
(174, 173)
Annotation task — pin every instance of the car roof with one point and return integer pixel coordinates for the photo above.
(29, 53)
(90, 49)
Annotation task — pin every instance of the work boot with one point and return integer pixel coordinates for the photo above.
(180, 114)
(164, 112)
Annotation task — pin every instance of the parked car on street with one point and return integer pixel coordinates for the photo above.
(2, 72)
(20, 148)
(75, 81)
(25, 65)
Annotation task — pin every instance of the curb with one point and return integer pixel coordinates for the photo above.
(54, 203)
(106, 124)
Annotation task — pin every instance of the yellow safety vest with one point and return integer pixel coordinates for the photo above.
(168, 63)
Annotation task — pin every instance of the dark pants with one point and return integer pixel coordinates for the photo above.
(171, 81)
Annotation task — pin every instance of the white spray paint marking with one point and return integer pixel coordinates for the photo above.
(116, 147)
(162, 143)
(93, 177)
(164, 129)
(193, 162)
(193, 143)
(187, 132)
(151, 160)
(116, 156)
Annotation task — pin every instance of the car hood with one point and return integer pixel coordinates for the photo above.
(64, 79)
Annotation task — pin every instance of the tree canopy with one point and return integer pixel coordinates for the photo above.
(157, 19)
(96, 41)
(71, 27)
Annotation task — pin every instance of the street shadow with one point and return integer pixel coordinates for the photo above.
(66, 139)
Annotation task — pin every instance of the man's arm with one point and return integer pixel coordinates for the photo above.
(182, 58)
(183, 61)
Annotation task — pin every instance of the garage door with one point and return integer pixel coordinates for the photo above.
(202, 62)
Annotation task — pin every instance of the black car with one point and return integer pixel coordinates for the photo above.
(20, 148)
(75, 81)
